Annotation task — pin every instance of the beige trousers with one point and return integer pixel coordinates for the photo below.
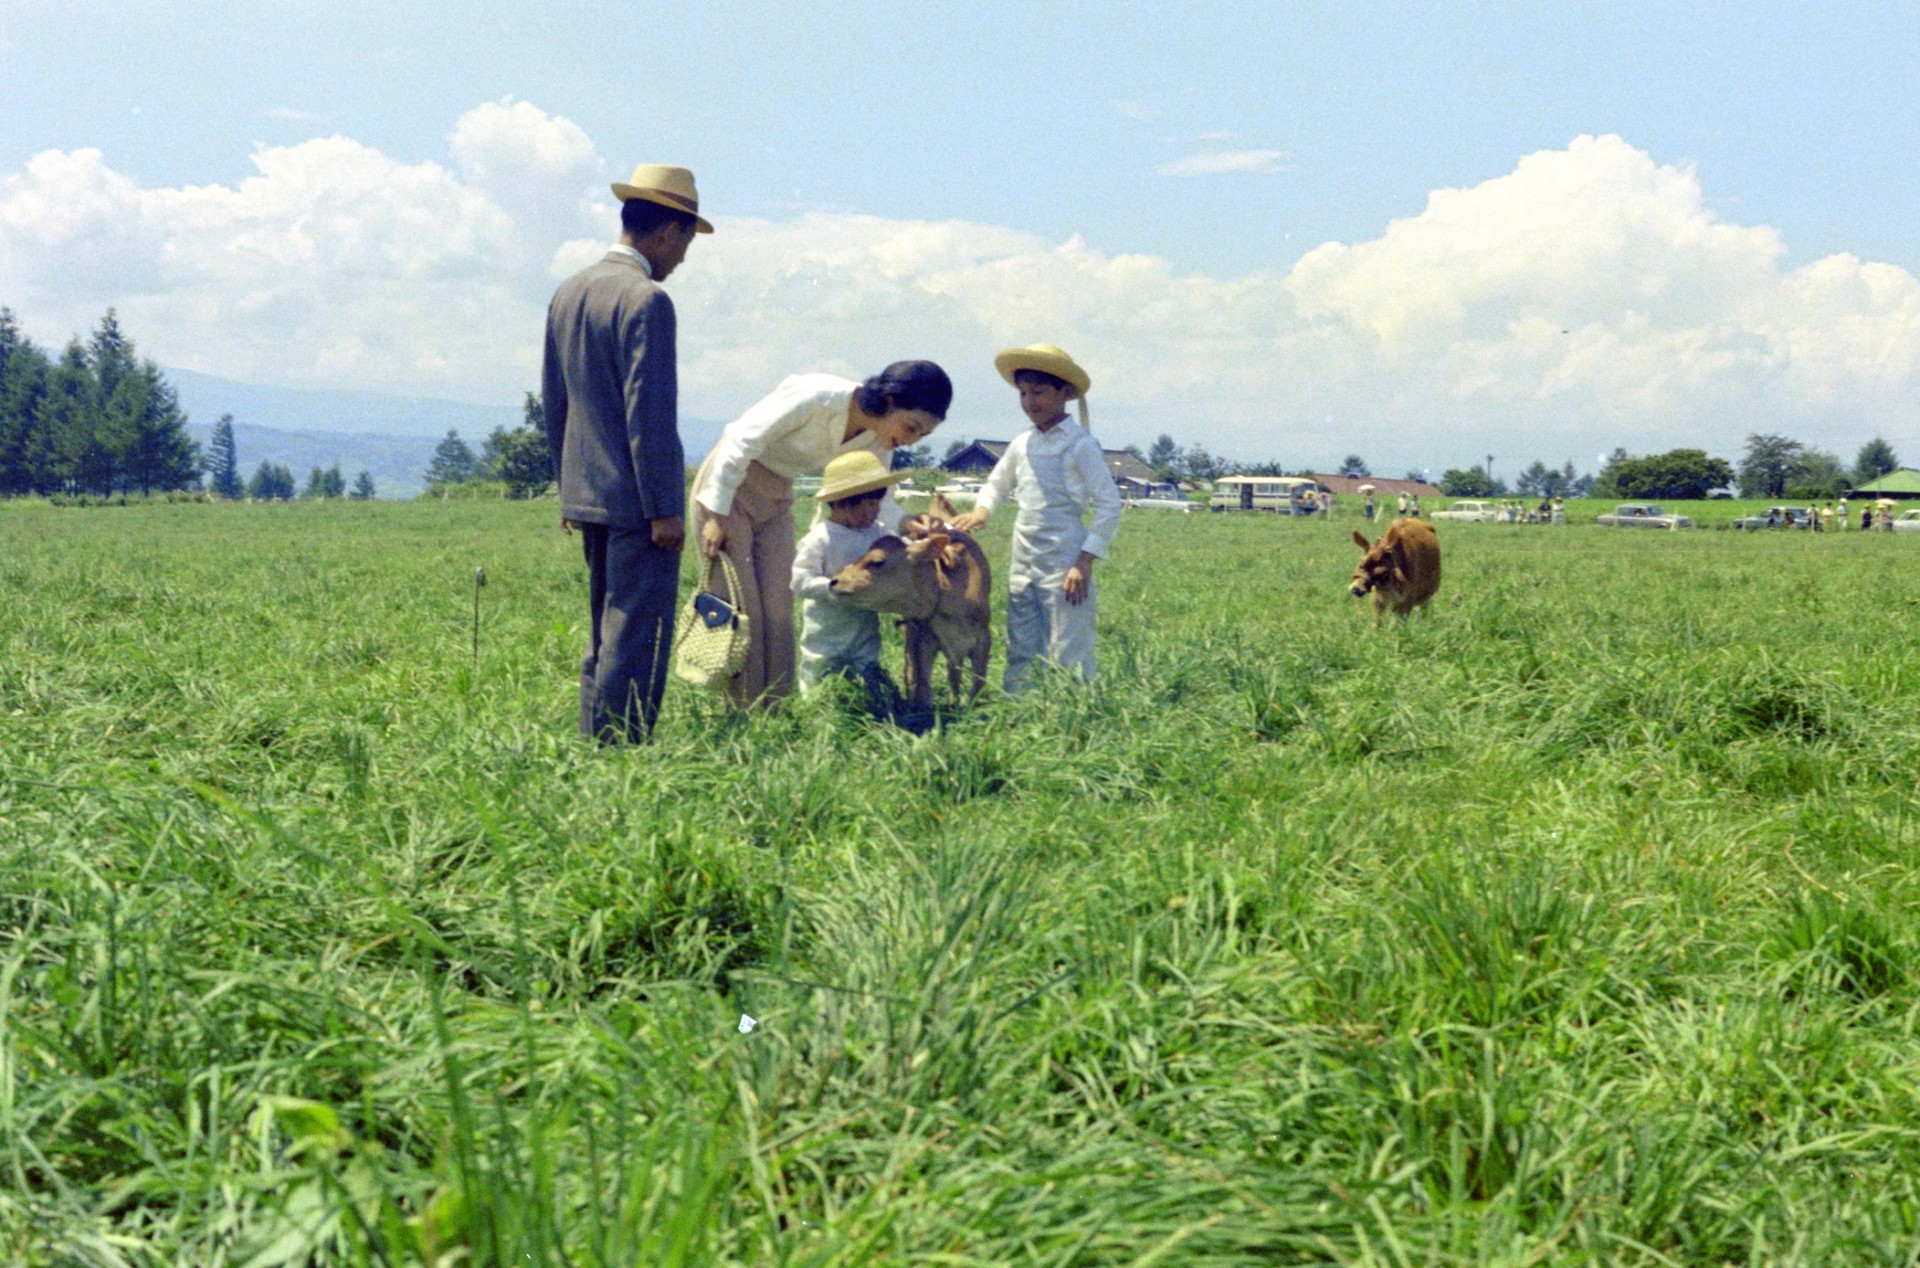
(760, 541)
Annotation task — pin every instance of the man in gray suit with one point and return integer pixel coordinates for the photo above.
(611, 394)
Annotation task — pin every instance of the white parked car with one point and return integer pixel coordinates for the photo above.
(958, 491)
(1641, 515)
(1162, 497)
(1469, 511)
(1907, 521)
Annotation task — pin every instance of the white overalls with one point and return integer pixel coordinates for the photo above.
(1055, 477)
(834, 635)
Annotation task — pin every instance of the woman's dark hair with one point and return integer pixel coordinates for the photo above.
(918, 385)
(641, 216)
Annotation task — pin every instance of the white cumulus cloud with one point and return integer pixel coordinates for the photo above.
(1586, 299)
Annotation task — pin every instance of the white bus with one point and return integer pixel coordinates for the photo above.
(1289, 495)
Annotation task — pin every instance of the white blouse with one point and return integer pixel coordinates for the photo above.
(795, 430)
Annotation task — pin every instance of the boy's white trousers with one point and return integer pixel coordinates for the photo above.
(1042, 625)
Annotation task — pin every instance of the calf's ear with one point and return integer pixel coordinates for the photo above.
(931, 543)
(1360, 540)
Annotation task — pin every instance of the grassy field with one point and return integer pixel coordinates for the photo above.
(1570, 923)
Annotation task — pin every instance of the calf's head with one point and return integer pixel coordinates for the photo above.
(1383, 566)
(894, 576)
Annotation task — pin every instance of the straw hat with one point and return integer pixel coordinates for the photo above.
(1045, 358)
(668, 186)
(852, 474)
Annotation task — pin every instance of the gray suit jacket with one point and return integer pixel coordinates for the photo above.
(611, 395)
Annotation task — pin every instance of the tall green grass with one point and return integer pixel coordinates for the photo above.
(1569, 922)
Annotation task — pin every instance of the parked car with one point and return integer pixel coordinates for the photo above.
(1907, 521)
(1163, 497)
(1470, 511)
(1641, 515)
(960, 490)
(1777, 517)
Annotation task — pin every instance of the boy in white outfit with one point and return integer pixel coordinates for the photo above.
(1057, 475)
(836, 637)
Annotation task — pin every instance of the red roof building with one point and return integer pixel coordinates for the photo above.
(1340, 486)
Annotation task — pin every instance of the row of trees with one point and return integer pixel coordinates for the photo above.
(1773, 466)
(95, 420)
(517, 457)
(1776, 466)
(1537, 481)
(273, 482)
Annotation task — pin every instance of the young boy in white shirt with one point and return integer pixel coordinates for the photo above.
(1057, 475)
(834, 636)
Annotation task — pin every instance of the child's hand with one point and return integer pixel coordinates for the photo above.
(1078, 578)
(969, 521)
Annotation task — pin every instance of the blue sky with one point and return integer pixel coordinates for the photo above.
(1151, 181)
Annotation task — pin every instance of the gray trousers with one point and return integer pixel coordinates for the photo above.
(631, 587)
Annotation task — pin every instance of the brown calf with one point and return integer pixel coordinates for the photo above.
(1401, 571)
(940, 583)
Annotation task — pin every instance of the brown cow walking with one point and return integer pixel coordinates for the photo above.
(1401, 571)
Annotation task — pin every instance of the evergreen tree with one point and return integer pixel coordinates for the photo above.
(123, 401)
(1355, 466)
(363, 487)
(26, 453)
(223, 461)
(158, 454)
(325, 484)
(521, 458)
(1875, 460)
(69, 413)
(271, 482)
(110, 353)
(453, 462)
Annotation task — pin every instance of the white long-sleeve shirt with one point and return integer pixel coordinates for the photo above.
(794, 430)
(833, 634)
(1056, 477)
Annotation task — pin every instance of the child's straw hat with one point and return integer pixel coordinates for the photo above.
(852, 474)
(1047, 359)
(668, 186)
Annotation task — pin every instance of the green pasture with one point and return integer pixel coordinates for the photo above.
(1571, 922)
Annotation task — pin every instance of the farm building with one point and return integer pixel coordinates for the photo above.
(1904, 483)
(1342, 486)
(1129, 473)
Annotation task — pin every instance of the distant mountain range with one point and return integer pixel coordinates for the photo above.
(391, 438)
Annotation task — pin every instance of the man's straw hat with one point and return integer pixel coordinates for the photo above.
(668, 186)
(852, 474)
(1045, 358)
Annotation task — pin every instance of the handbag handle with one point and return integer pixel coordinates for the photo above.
(726, 568)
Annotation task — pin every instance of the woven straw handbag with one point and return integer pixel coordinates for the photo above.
(710, 643)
